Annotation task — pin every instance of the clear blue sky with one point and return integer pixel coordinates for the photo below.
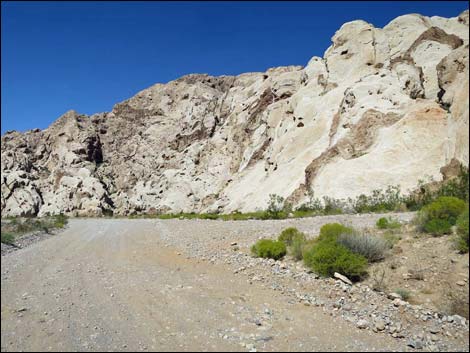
(87, 56)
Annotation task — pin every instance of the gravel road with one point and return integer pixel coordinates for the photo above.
(148, 284)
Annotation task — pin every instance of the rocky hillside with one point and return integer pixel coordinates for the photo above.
(384, 106)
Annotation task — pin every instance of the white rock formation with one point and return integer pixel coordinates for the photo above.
(383, 107)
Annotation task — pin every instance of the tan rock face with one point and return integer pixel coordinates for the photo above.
(383, 107)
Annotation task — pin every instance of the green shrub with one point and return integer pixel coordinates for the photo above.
(209, 216)
(437, 226)
(380, 200)
(328, 257)
(387, 223)
(60, 221)
(331, 231)
(382, 223)
(8, 238)
(403, 293)
(456, 187)
(333, 206)
(271, 249)
(308, 245)
(439, 216)
(462, 232)
(287, 235)
(304, 213)
(297, 246)
(313, 205)
(294, 240)
(275, 206)
(23, 227)
(371, 247)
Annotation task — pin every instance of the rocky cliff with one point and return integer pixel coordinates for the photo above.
(384, 106)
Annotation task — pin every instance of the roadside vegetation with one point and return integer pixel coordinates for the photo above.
(295, 241)
(387, 223)
(385, 200)
(438, 217)
(338, 248)
(270, 249)
(8, 238)
(373, 255)
(462, 239)
(343, 249)
(14, 227)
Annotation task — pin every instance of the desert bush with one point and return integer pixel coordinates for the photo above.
(403, 293)
(287, 235)
(456, 187)
(27, 225)
(382, 223)
(60, 221)
(387, 223)
(371, 247)
(209, 216)
(462, 239)
(294, 240)
(378, 280)
(297, 247)
(334, 206)
(455, 302)
(308, 245)
(426, 192)
(391, 239)
(328, 257)
(380, 200)
(439, 216)
(275, 206)
(13, 221)
(313, 204)
(24, 227)
(271, 249)
(331, 231)
(438, 226)
(7, 238)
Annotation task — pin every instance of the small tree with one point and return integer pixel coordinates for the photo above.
(275, 205)
(313, 204)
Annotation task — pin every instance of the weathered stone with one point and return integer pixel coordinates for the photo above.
(379, 325)
(362, 324)
(342, 278)
(394, 296)
(399, 302)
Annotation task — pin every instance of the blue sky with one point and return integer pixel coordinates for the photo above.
(88, 56)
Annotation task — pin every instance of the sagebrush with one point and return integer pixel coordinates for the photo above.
(371, 247)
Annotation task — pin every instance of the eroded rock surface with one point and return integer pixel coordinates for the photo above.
(384, 106)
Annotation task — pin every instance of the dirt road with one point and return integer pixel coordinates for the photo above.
(114, 285)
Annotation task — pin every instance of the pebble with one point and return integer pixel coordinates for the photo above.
(413, 343)
(379, 325)
(362, 324)
(342, 278)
